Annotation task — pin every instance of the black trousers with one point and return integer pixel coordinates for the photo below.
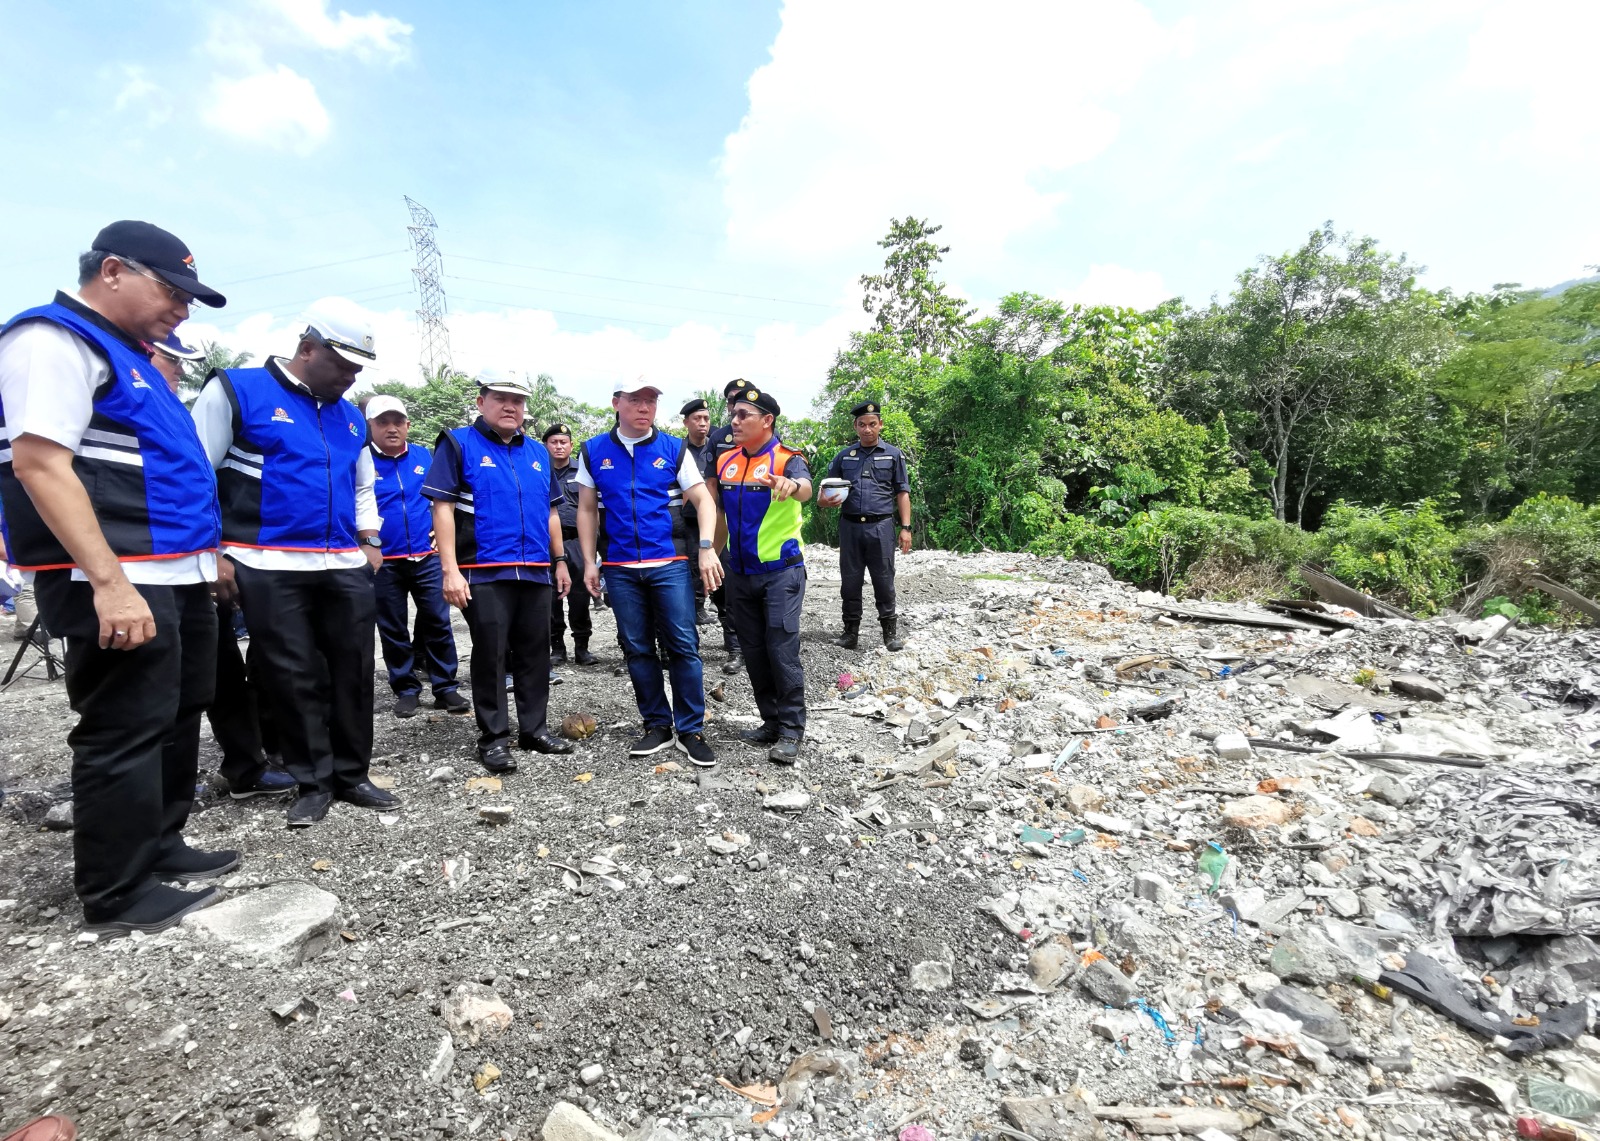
(578, 601)
(510, 616)
(867, 549)
(136, 746)
(242, 727)
(314, 631)
(766, 617)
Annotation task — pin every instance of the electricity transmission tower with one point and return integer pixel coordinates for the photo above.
(429, 272)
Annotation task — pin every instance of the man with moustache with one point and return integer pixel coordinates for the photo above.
(300, 536)
(110, 504)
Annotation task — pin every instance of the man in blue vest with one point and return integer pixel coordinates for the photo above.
(643, 477)
(498, 530)
(410, 565)
(110, 505)
(300, 539)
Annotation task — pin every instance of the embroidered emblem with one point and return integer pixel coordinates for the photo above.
(353, 431)
(537, 466)
(486, 462)
(417, 469)
(138, 381)
(605, 464)
(661, 462)
(282, 417)
(758, 471)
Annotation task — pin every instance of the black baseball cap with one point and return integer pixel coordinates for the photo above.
(695, 405)
(160, 252)
(757, 398)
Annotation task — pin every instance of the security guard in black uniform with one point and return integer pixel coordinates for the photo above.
(879, 495)
(558, 441)
(697, 438)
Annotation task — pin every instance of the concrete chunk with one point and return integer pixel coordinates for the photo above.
(285, 923)
(566, 1122)
(1233, 747)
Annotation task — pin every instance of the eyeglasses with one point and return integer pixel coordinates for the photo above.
(179, 296)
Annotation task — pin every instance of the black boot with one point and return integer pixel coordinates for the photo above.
(891, 635)
(558, 651)
(850, 637)
(580, 651)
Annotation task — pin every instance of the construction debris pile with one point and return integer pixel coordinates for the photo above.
(1080, 862)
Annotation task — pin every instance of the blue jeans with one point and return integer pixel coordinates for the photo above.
(423, 582)
(657, 604)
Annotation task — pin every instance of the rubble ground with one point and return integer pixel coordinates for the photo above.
(1068, 866)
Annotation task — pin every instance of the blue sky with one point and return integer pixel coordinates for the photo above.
(689, 191)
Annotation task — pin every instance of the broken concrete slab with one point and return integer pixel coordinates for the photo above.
(1318, 1019)
(1256, 811)
(566, 1122)
(1415, 685)
(1168, 1120)
(285, 923)
(1060, 1117)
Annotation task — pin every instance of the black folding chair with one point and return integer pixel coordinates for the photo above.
(37, 640)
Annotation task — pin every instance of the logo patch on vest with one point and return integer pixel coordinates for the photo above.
(758, 471)
(417, 469)
(282, 417)
(486, 462)
(605, 464)
(537, 466)
(353, 431)
(661, 462)
(138, 381)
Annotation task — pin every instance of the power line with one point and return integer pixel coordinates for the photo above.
(592, 316)
(637, 281)
(428, 271)
(405, 287)
(621, 300)
(309, 268)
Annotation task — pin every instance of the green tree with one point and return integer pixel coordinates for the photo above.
(906, 300)
(217, 356)
(445, 399)
(1312, 347)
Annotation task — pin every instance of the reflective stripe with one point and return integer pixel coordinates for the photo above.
(5, 455)
(116, 438)
(133, 459)
(467, 507)
(245, 469)
(237, 452)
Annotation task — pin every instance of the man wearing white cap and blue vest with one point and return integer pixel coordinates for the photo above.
(498, 531)
(411, 567)
(300, 534)
(110, 505)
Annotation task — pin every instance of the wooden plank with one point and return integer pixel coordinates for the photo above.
(1168, 1120)
(1330, 589)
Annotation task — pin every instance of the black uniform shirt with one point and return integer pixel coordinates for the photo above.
(876, 474)
(567, 479)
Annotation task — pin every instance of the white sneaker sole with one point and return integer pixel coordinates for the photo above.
(684, 749)
(638, 752)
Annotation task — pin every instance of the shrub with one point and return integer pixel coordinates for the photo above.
(1405, 557)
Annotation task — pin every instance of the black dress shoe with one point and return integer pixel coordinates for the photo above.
(190, 865)
(452, 702)
(497, 759)
(734, 664)
(368, 795)
(762, 737)
(308, 808)
(545, 743)
(156, 910)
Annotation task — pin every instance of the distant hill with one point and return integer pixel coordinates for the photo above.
(1558, 290)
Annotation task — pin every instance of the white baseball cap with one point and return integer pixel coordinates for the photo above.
(637, 384)
(378, 405)
(350, 337)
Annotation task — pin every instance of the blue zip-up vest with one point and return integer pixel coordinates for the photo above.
(288, 482)
(641, 496)
(503, 517)
(140, 460)
(407, 515)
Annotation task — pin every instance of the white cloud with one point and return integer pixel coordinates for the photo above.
(277, 108)
(1117, 285)
(789, 360)
(368, 37)
(872, 110)
(139, 92)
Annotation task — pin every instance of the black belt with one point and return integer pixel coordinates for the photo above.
(869, 518)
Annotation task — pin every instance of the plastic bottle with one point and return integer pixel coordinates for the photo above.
(1536, 1130)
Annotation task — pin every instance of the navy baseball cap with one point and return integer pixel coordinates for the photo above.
(162, 253)
(176, 349)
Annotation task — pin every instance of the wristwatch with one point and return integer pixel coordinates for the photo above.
(905, 526)
(705, 544)
(373, 541)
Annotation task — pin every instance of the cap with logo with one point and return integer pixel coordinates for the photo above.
(692, 407)
(349, 337)
(733, 388)
(632, 387)
(870, 408)
(557, 430)
(378, 405)
(172, 347)
(163, 253)
(760, 399)
(495, 380)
